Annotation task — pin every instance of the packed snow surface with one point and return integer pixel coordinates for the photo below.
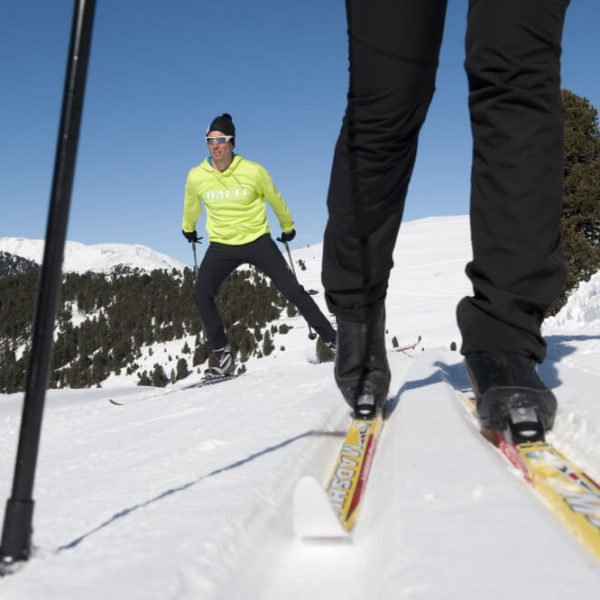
(185, 493)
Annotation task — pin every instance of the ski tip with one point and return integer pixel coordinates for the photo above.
(115, 402)
(312, 514)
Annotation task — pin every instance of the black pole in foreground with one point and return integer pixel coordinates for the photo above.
(16, 535)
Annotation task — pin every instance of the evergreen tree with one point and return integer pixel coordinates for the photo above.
(159, 377)
(268, 345)
(99, 370)
(200, 355)
(182, 369)
(580, 223)
(144, 379)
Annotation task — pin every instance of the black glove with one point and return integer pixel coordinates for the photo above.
(288, 236)
(191, 236)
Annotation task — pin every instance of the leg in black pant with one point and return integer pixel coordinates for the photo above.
(394, 47)
(513, 67)
(265, 256)
(219, 261)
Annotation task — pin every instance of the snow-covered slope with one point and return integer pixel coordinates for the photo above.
(100, 258)
(185, 493)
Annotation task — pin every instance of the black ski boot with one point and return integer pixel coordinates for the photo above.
(361, 370)
(508, 390)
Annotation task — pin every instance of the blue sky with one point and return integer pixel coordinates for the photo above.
(160, 70)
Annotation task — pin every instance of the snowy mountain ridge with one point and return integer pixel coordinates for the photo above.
(100, 258)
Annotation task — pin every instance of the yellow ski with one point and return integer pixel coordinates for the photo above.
(569, 492)
(565, 488)
(331, 511)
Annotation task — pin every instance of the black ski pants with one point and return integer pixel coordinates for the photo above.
(221, 259)
(512, 63)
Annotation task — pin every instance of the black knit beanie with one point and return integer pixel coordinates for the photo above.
(223, 123)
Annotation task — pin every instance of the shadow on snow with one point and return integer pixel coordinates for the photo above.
(175, 490)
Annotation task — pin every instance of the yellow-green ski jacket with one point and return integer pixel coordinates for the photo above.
(234, 201)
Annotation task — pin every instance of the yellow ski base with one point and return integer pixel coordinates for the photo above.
(570, 493)
(565, 488)
(348, 478)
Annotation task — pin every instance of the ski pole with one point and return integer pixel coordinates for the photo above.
(196, 276)
(195, 259)
(17, 532)
(311, 334)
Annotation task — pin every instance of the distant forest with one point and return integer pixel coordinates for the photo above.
(104, 323)
(11, 264)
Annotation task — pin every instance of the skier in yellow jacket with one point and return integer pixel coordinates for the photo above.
(233, 191)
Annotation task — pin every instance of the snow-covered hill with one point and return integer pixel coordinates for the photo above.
(185, 493)
(101, 258)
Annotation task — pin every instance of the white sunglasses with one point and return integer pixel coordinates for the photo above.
(218, 140)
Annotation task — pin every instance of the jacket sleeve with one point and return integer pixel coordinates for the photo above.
(272, 195)
(192, 206)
